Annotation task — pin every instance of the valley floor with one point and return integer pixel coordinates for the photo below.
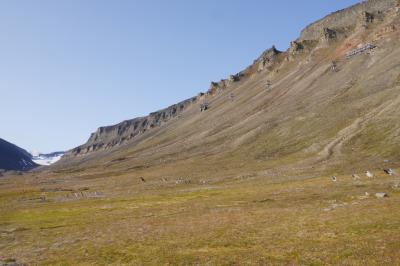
(251, 220)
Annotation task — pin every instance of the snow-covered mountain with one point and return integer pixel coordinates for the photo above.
(46, 159)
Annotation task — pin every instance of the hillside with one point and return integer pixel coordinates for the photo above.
(14, 158)
(289, 109)
(272, 172)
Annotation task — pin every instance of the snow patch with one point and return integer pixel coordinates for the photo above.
(46, 159)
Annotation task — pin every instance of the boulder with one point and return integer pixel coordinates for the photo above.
(389, 171)
(381, 195)
(369, 174)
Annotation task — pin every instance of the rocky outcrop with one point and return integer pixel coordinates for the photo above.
(111, 136)
(367, 17)
(329, 34)
(267, 59)
(347, 18)
(234, 78)
(300, 47)
(223, 83)
(296, 47)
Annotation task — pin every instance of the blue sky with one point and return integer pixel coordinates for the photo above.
(70, 66)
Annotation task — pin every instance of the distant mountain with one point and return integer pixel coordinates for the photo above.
(15, 158)
(46, 159)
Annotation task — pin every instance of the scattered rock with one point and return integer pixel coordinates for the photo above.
(334, 66)
(204, 107)
(361, 49)
(389, 171)
(369, 174)
(381, 195)
(84, 195)
(268, 85)
(182, 180)
(57, 189)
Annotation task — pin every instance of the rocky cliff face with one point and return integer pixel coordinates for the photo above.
(347, 19)
(329, 30)
(110, 136)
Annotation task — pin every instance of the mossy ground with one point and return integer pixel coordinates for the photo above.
(312, 221)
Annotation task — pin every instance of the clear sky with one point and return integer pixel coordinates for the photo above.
(70, 66)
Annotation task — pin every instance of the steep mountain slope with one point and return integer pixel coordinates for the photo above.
(14, 158)
(245, 181)
(311, 108)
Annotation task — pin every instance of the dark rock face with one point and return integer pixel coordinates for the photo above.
(329, 34)
(367, 17)
(110, 136)
(14, 158)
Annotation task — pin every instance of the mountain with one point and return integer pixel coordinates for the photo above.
(13, 157)
(291, 161)
(46, 159)
(328, 103)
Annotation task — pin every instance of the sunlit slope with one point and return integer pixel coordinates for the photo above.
(312, 116)
(246, 182)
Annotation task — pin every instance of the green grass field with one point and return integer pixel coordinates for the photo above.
(311, 221)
